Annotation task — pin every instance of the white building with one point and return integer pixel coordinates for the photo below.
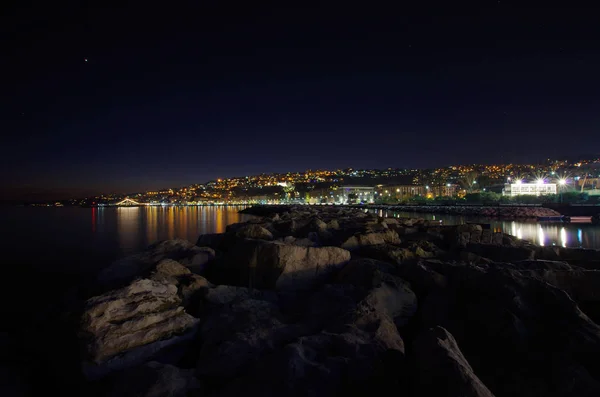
(534, 189)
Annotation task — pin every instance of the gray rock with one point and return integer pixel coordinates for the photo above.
(269, 265)
(442, 369)
(255, 232)
(142, 313)
(387, 294)
(237, 336)
(127, 269)
(359, 240)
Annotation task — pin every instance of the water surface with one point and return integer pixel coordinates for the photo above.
(578, 235)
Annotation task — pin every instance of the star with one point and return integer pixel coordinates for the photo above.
(85, 59)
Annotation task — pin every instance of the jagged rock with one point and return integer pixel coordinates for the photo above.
(254, 231)
(168, 270)
(268, 265)
(154, 379)
(144, 312)
(501, 253)
(333, 224)
(192, 288)
(302, 242)
(237, 336)
(356, 241)
(224, 294)
(442, 369)
(469, 227)
(386, 253)
(389, 295)
(350, 362)
(125, 270)
(522, 336)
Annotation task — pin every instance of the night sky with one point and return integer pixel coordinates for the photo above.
(135, 98)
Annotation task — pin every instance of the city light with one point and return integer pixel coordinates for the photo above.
(562, 182)
(540, 181)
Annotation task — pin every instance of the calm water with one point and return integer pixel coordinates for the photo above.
(580, 235)
(87, 238)
(92, 237)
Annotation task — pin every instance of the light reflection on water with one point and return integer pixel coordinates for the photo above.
(583, 235)
(97, 236)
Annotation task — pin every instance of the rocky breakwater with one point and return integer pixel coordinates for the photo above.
(324, 301)
(508, 212)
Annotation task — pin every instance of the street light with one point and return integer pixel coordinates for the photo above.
(561, 183)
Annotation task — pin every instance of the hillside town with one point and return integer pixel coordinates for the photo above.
(354, 186)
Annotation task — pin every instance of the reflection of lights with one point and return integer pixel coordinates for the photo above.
(563, 237)
(579, 235)
(513, 229)
(541, 236)
(519, 234)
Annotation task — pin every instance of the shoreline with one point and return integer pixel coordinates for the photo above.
(295, 299)
(496, 212)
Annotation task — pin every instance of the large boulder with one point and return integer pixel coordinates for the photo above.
(387, 294)
(236, 336)
(127, 269)
(348, 362)
(269, 265)
(139, 315)
(254, 231)
(521, 335)
(375, 238)
(442, 370)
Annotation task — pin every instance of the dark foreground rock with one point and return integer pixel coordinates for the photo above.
(326, 301)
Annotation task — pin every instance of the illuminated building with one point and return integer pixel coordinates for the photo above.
(534, 189)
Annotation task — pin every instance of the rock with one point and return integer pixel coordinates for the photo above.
(469, 227)
(144, 312)
(125, 270)
(237, 336)
(333, 224)
(325, 364)
(386, 253)
(255, 232)
(501, 253)
(224, 294)
(359, 240)
(213, 240)
(154, 379)
(442, 369)
(521, 335)
(168, 270)
(268, 265)
(389, 295)
(192, 288)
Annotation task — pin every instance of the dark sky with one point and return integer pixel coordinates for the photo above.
(171, 96)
